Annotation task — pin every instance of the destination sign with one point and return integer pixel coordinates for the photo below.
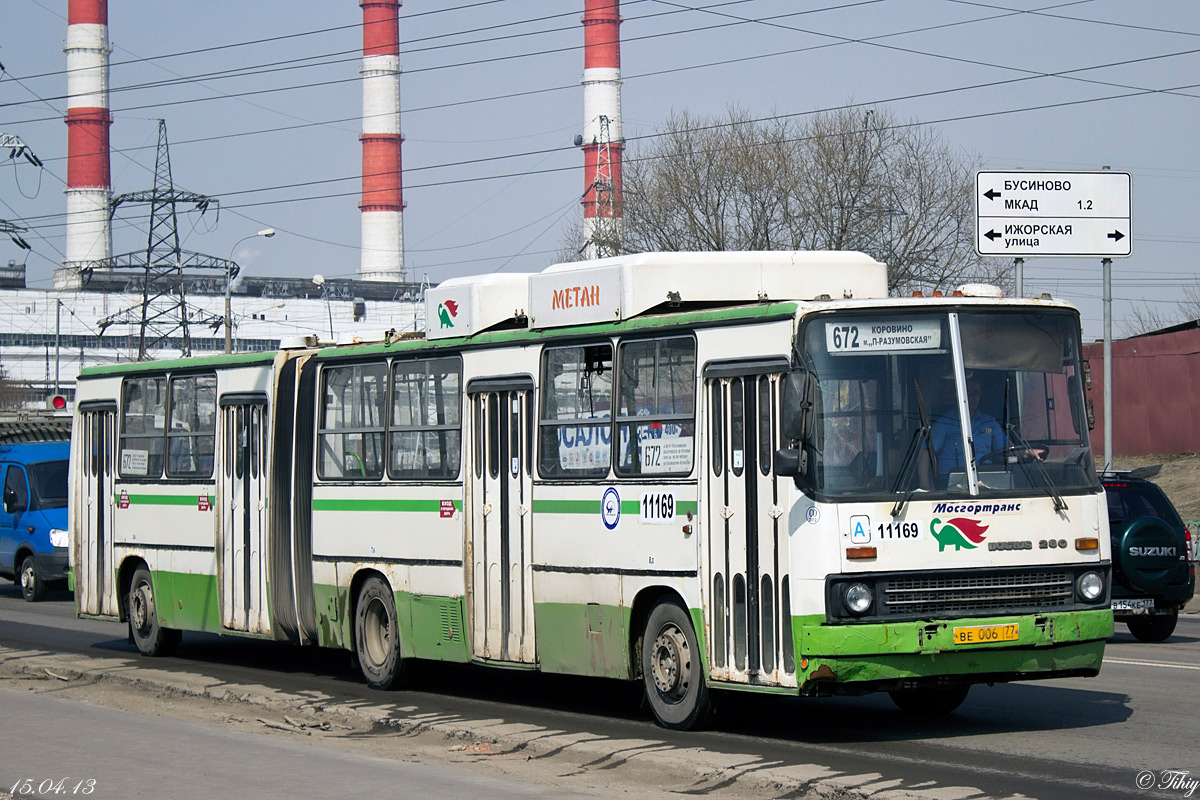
(853, 336)
(1027, 214)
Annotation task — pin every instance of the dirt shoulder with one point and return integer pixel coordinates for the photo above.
(578, 762)
(1179, 478)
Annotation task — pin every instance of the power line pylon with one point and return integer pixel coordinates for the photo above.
(163, 268)
(606, 233)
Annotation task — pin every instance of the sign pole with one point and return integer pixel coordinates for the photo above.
(1019, 263)
(1108, 421)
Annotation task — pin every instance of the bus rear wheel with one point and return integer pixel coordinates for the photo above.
(930, 701)
(672, 671)
(151, 638)
(377, 635)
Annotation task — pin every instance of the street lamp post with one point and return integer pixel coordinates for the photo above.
(319, 280)
(266, 234)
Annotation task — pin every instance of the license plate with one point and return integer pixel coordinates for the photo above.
(986, 634)
(1127, 604)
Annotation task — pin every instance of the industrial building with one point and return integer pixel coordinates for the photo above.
(48, 335)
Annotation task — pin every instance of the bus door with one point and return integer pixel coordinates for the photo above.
(95, 571)
(501, 538)
(746, 559)
(241, 508)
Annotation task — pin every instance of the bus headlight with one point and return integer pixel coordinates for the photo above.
(857, 598)
(58, 537)
(1090, 586)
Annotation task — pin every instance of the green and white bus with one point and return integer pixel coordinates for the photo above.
(705, 471)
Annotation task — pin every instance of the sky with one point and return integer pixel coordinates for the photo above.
(262, 100)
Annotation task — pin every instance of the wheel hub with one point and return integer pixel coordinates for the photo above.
(140, 607)
(378, 633)
(671, 662)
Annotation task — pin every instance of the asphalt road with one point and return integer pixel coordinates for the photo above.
(1054, 739)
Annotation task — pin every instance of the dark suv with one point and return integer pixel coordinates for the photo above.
(1153, 576)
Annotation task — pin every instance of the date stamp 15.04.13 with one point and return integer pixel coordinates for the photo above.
(52, 787)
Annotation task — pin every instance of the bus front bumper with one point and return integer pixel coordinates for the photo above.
(851, 659)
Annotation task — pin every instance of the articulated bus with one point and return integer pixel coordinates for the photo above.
(704, 471)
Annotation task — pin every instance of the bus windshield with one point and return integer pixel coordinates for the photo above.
(896, 385)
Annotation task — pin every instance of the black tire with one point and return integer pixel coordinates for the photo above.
(151, 638)
(672, 670)
(33, 588)
(930, 701)
(1153, 628)
(377, 635)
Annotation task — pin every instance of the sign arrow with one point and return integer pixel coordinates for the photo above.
(1116, 236)
(993, 236)
(991, 194)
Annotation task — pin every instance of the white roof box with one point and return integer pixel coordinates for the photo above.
(466, 306)
(611, 289)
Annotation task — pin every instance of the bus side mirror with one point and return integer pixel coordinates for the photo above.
(791, 462)
(796, 406)
(10, 501)
(1091, 414)
(1087, 375)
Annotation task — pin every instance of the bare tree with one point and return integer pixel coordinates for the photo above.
(845, 180)
(13, 395)
(1145, 318)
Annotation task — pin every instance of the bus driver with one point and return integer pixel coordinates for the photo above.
(946, 434)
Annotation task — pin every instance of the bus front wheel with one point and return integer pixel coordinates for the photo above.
(672, 669)
(930, 701)
(151, 638)
(377, 635)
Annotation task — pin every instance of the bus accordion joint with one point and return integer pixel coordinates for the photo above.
(1087, 543)
(861, 552)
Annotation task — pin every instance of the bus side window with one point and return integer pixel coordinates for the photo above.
(656, 423)
(143, 427)
(718, 429)
(576, 415)
(192, 436)
(425, 429)
(766, 439)
(352, 422)
(477, 408)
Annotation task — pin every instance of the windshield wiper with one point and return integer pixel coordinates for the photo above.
(1051, 489)
(920, 436)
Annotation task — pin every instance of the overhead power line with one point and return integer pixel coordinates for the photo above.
(272, 39)
(550, 170)
(271, 67)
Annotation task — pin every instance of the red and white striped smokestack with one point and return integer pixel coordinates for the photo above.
(89, 187)
(382, 201)
(601, 114)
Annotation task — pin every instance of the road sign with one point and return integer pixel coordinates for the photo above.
(1026, 214)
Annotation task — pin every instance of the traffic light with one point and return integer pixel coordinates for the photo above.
(56, 402)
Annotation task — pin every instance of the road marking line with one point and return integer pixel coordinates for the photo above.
(1150, 663)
